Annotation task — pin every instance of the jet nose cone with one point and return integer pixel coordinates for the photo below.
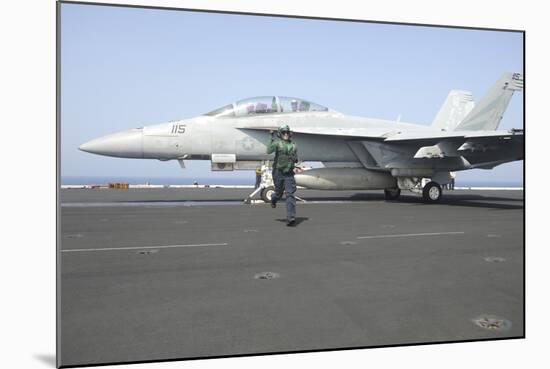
(89, 146)
(125, 144)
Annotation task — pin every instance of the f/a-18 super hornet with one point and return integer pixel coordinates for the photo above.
(357, 153)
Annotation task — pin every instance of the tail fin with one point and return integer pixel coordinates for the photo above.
(489, 111)
(457, 106)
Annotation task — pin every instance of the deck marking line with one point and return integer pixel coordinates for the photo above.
(145, 247)
(410, 235)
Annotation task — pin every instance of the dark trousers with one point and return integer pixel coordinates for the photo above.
(285, 182)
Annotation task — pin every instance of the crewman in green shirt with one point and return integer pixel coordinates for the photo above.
(286, 157)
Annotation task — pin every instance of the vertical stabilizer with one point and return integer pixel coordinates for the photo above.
(489, 110)
(455, 108)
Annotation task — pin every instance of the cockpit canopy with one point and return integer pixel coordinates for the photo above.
(266, 105)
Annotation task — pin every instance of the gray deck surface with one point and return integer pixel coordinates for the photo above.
(170, 273)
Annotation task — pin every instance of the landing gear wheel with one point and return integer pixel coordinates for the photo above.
(392, 194)
(267, 193)
(432, 192)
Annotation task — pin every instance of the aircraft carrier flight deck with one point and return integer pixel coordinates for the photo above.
(183, 273)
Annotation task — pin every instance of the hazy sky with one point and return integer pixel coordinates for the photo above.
(123, 68)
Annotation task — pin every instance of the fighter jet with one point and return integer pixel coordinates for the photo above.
(358, 153)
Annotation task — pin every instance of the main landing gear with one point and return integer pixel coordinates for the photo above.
(392, 193)
(432, 192)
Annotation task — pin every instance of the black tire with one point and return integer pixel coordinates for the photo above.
(266, 193)
(392, 193)
(432, 192)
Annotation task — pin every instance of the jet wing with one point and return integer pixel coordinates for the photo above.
(374, 133)
(411, 136)
(446, 150)
(389, 148)
(396, 135)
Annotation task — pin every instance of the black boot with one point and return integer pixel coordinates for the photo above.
(290, 222)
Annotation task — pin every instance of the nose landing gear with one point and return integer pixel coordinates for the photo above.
(266, 188)
(267, 193)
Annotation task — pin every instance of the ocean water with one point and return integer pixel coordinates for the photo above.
(460, 183)
(157, 180)
(222, 180)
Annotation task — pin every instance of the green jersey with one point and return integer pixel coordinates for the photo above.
(286, 154)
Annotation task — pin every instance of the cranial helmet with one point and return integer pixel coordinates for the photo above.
(284, 128)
